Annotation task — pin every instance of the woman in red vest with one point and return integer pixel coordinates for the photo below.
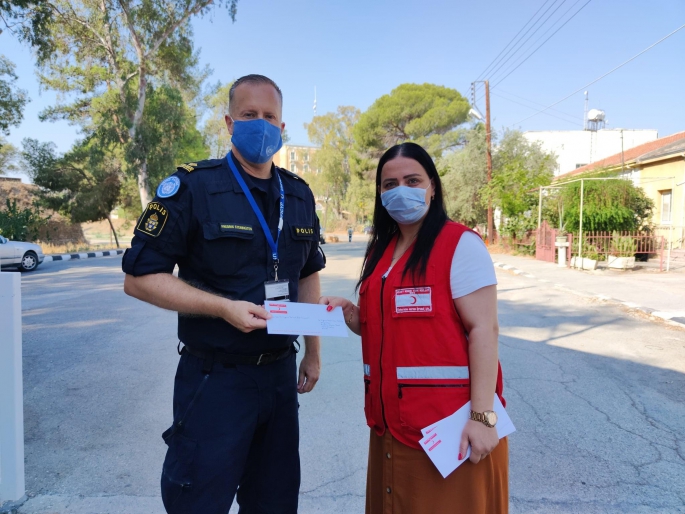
(427, 315)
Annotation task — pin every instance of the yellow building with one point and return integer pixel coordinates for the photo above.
(296, 158)
(662, 176)
(658, 167)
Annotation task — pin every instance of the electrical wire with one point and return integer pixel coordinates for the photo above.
(512, 40)
(545, 41)
(514, 56)
(576, 122)
(602, 76)
(573, 116)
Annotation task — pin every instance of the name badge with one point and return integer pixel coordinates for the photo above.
(277, 290)
(413, 299)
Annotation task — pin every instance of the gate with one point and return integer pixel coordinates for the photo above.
(545, 237)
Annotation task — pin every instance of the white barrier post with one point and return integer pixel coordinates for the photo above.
(12, 484)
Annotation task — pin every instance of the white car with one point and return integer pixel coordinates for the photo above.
(25, 256)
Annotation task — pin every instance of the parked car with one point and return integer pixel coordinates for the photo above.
(322, 237)
(15, 254)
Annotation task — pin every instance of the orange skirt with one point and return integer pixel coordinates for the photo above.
(402, 480)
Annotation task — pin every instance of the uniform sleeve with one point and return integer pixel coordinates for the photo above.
(472, 267)
(160, 239)
(316, 261)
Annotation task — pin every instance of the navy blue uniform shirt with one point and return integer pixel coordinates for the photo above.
(210, 231)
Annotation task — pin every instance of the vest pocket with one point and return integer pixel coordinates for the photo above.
(421, 405)
(368, 403)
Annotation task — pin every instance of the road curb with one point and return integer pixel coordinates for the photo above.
(77, 256)
(672, 318)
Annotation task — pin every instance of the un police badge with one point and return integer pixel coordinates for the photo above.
(169, 187)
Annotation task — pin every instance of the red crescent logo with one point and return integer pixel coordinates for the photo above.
(413, 300)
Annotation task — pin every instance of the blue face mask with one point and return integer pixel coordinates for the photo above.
(405, 204)
(256, 140)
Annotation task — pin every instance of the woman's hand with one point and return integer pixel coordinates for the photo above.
(350, 311)
(481, 438)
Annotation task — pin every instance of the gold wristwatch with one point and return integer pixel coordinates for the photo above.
(488, 418)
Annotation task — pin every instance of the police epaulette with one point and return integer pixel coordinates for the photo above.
(192, 166)
(294, 175)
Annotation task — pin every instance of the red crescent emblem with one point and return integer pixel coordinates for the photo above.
(413, 300)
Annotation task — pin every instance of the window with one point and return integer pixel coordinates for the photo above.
(293, 167)
(666, 206)
(306, 156)
(580, 165)
(293, 155)
(306, 167)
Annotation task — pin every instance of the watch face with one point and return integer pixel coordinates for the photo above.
(491, 416)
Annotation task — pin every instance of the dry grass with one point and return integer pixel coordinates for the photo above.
(49, 248)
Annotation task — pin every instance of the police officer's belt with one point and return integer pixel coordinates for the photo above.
(232, 359)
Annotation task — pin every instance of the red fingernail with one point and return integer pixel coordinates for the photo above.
(329, 308)
(460, 456)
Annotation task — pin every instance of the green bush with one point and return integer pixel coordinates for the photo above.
(21, 224)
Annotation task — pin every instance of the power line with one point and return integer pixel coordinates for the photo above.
(545, 41)
(500, 91)
(602, 76)
(512, 40)
(575, 122)
(513, 56)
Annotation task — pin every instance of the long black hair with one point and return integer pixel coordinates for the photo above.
(384, 227)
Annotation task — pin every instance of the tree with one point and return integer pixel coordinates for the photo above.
(518, 168)
(465, 175)
(335, 159)
(8, 155)
(423, 113)
(12, 100)
(27, 20)
(214, 131)
(608, 205)
(111, 57)
(83, 184)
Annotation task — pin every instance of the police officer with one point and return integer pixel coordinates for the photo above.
(241, 231)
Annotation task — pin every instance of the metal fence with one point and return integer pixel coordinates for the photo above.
(603, 246)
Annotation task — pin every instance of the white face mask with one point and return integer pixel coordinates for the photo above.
(406, 205)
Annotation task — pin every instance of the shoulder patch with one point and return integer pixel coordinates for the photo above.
(153, 219)
(293, 175)
(192, 166)
(169, 187)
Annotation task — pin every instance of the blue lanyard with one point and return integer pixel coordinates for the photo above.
(267, 232)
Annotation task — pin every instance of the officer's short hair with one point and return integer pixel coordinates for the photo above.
(253, 79)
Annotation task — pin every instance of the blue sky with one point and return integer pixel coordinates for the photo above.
(355, 51)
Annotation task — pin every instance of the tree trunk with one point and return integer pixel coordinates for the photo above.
(142, 185)
(111, 226)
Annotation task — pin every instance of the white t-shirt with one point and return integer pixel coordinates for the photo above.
(472, 267)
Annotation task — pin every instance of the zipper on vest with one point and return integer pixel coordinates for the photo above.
(400, 386)
(385, 423)
(367, 382)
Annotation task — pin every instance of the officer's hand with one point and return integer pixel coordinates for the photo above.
(246, 316)
(481, 438)
(310, 370)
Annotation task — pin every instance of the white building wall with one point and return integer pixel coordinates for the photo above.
(575, 148)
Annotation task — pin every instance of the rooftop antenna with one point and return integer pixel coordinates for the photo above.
(314, 100)
(585, 113)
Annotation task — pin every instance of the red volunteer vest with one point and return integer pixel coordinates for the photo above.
(414, 345)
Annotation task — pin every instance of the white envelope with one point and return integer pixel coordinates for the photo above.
(304, 319)
(441, 439)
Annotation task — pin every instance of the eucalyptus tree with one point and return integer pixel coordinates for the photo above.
(108, 58)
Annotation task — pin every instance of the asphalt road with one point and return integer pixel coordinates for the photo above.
(596, 395)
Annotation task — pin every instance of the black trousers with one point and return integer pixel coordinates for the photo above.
(235, 430)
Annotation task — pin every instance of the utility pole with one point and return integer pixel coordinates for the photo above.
(488, 139)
